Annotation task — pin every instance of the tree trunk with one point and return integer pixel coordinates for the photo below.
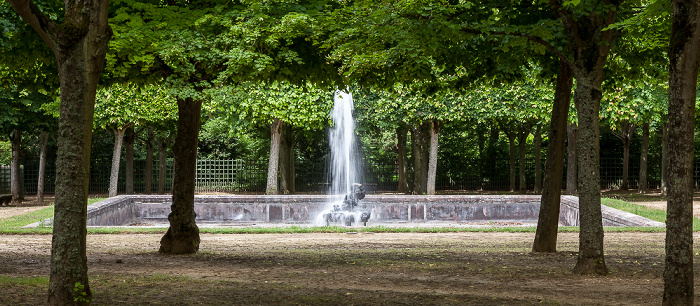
(148, 176)
(275, 138)
(425, 153)
(79, 44)
(523, 133)
(286, 160)
(590, 45)
(572, 160)
(417, 160)
(684, 53)
(116, 158)
(401, 134)
(494, 135)
(129, 138)
(183, 234)
(664, 159)
(538, 158)
(15, 182)
(548, 220)
(511, 163)
(44, 139)
(163, 144)
(627, 131)
(481, 139)
(643, 158)
(432, 168)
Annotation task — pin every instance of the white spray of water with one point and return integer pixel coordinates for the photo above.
(344, 155)
(344, 165)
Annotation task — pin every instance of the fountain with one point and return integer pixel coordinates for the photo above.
(345, 166)
(343, 204)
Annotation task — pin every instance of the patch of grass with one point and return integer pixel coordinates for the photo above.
(14, 224)
(646, 212)
(40, 281)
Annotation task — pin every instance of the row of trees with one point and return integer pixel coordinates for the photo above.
(429, 51)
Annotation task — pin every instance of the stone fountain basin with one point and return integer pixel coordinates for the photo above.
(237, 210)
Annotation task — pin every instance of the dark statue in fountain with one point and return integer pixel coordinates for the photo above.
(350, 208)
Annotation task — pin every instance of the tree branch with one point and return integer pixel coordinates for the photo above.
(41, 23)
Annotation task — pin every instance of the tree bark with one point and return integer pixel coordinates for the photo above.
(643, 158)
(626, 133)
(572, 160)
(494, 135)
(664, 159)
(548, 219)
(275, 138)
(538, 158)
(590, 46)
(183, 234)
(401, 135)
(287, 160)
(163, 143)
(44, 140)
(116, 158)
(481, 139)
(684, 53)
(425, 154)
(129, 139)
(432, 168)
(79, 45)
(523, 133)
(148, 175)
(511, 163)
(416, 152)
(15, 182)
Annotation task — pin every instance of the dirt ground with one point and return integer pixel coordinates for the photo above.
(344, 269)
(360, 269)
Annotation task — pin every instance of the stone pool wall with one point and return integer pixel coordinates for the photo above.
(303, 209)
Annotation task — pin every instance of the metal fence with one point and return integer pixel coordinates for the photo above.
(5, 182)
(312, 176)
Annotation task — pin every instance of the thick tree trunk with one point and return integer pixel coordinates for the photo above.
(587, 97)
(44, 140)
(148, 175)
(548, 220)
(287, 160)
(116, 158)
(79, 45)
(523, 133)
(416, 151)
(590, 45)
(511, 162)
(15, 182)
(432, 168)
(684, 53)
(183, 234)
(538, 158)
(664, 159)
(275, 138)
(643, 158)
(129, 139)
(571, 160)
(401, 135)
